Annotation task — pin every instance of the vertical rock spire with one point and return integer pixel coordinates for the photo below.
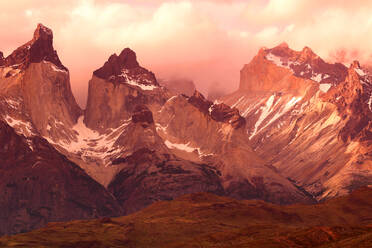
(36, 50)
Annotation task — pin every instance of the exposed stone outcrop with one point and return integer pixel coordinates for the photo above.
(39, 49)
(219, 138)
(218, 111)
(117, 88)
(34, 77)
(149, 176)
(283, 69)
(310, 119)
(39, 185)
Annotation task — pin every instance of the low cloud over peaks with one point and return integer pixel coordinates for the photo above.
(208, 41)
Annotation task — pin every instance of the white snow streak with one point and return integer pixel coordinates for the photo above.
(317, 77)
(90, 143)
(236, 104)
(185, 147)
(265, 112)
(360, 72)
(325, 87)
(137, 84)
(54, 67)
(12, 103)
(21, 127)
(268, 108)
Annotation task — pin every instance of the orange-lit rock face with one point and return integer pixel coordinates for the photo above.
(117, 88)
(281, 69)
(298, 129)
(34, 79)
(35, 51)
(310, 119)
(40, 185)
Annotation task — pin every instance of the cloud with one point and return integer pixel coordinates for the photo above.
(208, 40)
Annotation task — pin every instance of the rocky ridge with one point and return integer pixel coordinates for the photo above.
(142, 143)
(313, 127)
(39, 185)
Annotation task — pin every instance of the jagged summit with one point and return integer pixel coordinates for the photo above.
(283, 44)
(40, 48)
(44, 33)
(117, 88)
(218, 111)
(125, 69)
(283, 50)
(199, 101)
(355, 65)
(303, 64)
(115, 64)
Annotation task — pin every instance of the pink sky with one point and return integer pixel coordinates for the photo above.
(208, 41)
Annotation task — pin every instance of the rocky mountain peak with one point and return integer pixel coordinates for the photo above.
(116, 64)
(128, 59)
(224, 113)
(355, 65)
(126, 69)
(199, 101)
(218, 111)
(282, 50)
(267, 67)
(307, 54)
(283, 45)
(43, 33)
(36, 50)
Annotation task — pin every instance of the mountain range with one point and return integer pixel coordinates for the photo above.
(297, 131)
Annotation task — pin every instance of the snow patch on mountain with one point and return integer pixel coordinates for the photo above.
(9, 71)
(91, 144)
(279, 61)
(14, 104)
(317, 77)
(360, 72)
(285, 63)
(325, 87)
(269, 108)
(265, 111)
(185, 147)
(21, 127)
(54, 67)
(237, 102)
(130, 81)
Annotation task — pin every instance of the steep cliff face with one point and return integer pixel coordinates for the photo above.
(150, 172)
(281, 68)
(199, 130)
(39, 185)
(297, 129)
(310, 119)
(35, 81)
(117, 87)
